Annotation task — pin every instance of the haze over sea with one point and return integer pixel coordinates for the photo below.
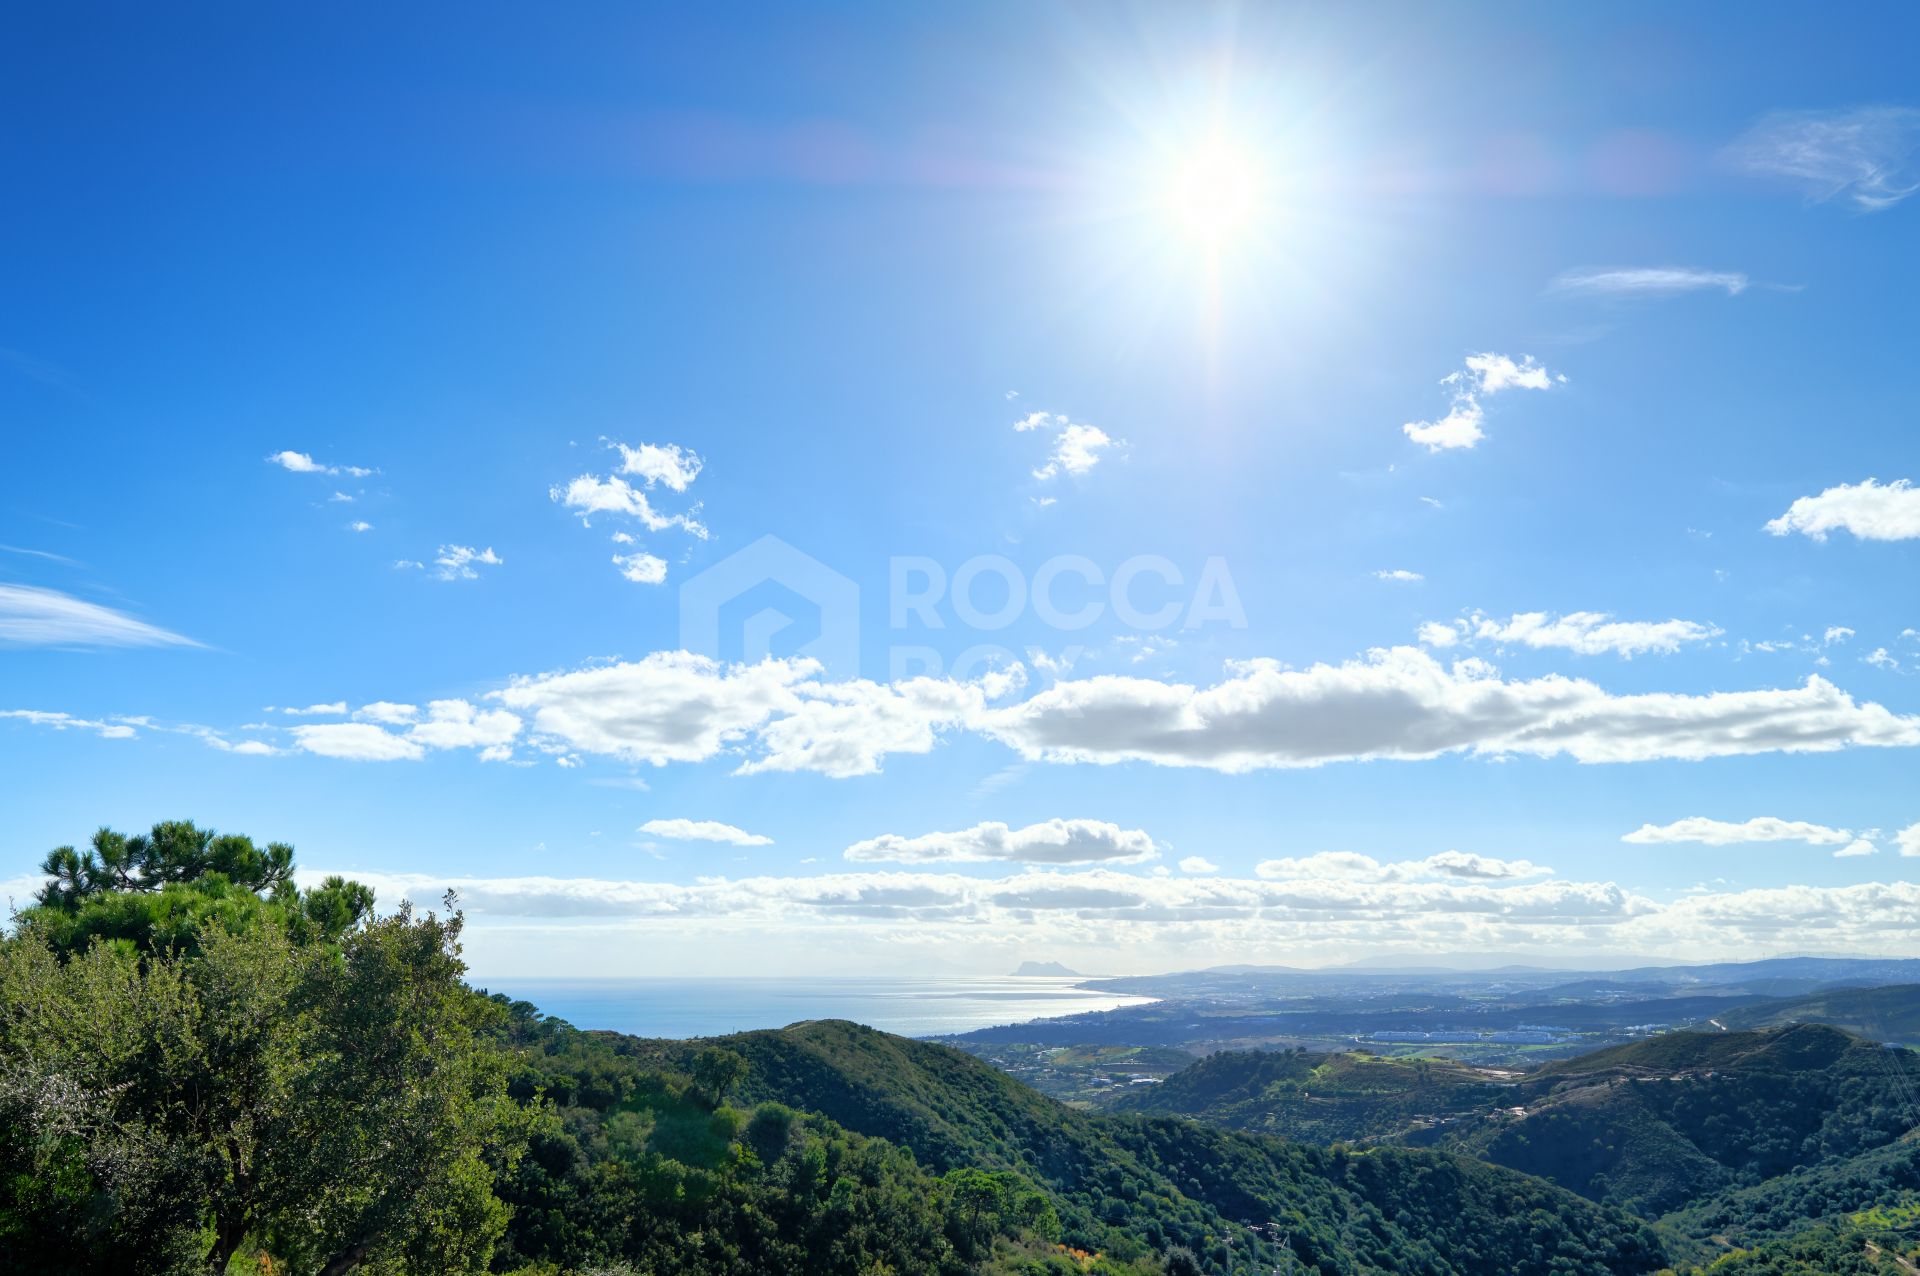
(705, 1007)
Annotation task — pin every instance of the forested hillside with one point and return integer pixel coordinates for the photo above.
(1317, 1097)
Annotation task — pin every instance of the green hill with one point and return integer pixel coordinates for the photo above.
(1655, 1124)
(1129, 1187)
(1319, 1098)
(1879, 1014)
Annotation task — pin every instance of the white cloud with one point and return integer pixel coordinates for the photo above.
(68, 722)
(457, 562)
(1587, 633)
(703, 831)
(1837, 633)
(1401, 703)
(386, 711)
(641, 569)
(1881, 658)
(1485, 375)
(1198, 864)
(359, 526)
(356, 742)
(1651, 281)
(1053, 841)
(1353, 866)
(666, 464)
(1076, 446)
(1907, 840)
(302, 463)
(1856, 848)
(1865, 153)
(589, 495)
(34, 617)
(1710, 832)
(1870, 510)
(1399, 574)
(337, 708)
(1434, 634)
(456, 724)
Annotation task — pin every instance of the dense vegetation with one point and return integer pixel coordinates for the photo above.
(1885, 1014)
(1319, 1097)
(1656, 1124)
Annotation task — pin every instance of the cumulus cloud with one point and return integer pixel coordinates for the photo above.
(1907, 841)
(356, 742)
(303, 463)
(1076, 446)
(1864, 154)
(1857, 847)
(1402, 703)
(457, 562)
(641, 569)
(1711, 832)
(336, 709)
(589, 495)
(1586, 633)
(1651, 281)
(1870, 510)
(1053, 841)
(1198, 864)
(667, 464)
(386, 711)
(703, 831)
(456, 724)
(1485, 375)
(1400, 575)
(34, 617)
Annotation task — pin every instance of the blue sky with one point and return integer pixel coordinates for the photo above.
(1503, 384)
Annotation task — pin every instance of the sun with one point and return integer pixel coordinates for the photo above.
(1213, 194)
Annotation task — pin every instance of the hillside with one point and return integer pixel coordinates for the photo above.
(1128, 1186)
(1879, 1014)
(1319, 1098)
(1655, 1124)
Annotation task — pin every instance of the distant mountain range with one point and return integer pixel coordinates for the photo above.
(1046, 969)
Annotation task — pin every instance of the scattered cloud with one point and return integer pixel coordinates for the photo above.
(359, 526)
(1485, 375)
(1076, 446)
(667, 464)
(1710, 832)
(337, 709)
(387, 712)
(641, 569)
(68, 722)
(1586, 633)
(1858, 847)
(1353, 866)
(1198, 864)
(1908, 841)
(1053, 841)
(1399, 574)
(1650, 281)
(1863, 154)
(457, 562)
(703, 831)
(1870, 510)
(303, 463)
(356, 742)
(34, 617)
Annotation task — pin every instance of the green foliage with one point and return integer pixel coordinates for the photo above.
(160, 891)
(1317, 1098)
(190, 1070)
(1656, 1124)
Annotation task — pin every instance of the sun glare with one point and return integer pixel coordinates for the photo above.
(1214, 194)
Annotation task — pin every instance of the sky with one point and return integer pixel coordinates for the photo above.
(880, 489)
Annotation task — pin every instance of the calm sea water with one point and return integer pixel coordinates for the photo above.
(710, 1007)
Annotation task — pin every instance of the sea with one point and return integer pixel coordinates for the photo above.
(708, 1007)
